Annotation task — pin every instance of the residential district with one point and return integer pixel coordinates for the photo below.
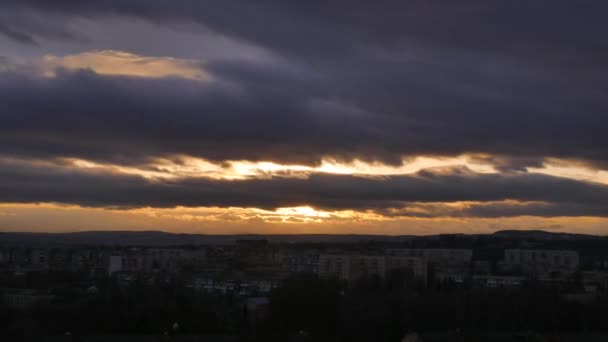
(249, 271)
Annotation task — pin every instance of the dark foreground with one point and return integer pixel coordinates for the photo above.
(427, 337)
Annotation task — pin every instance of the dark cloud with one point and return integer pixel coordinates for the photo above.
(30, 28)
(497, 209)
(17, 35)
(317, 27)
(257, 112)
(26, 183)
(520, 80)
(516, 82)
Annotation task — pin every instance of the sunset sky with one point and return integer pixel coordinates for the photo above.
(367, 117)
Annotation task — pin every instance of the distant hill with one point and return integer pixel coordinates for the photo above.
(542, 235)
(157, 238)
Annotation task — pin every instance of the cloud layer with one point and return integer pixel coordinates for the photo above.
(511, 84)
(428, 193)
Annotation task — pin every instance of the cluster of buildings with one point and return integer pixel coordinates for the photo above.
(24, 260)
(153, 259)
(352, 267)
(25, 298)
(551, 267)
(557, 268)
(423, 264)
(98, 260)
(255, 267)
(243, 287)
(541, 263)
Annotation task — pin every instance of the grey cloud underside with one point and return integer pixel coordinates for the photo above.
(255, 112)
(328, 28)
(390, 196)
(523, 80)
(16, 35)
(30, 28)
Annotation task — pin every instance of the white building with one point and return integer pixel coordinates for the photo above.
(452, 264)
(445, 256)
(115, 263)
(350, 268)
(541, 262)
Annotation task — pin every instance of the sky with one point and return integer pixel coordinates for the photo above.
(349, 117)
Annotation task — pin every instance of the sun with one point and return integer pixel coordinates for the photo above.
(303, 211)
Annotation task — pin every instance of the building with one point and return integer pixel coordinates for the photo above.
(444, 256)
(496, 281)
(196, 257)
(297, 261)
(18, 257)
(453, 264)
(418, 265)
(482, 267)
(24, 298)
(4, 259)
(243, 287)
(80, 259)
(335, 266)
(115, 263)
(59, 259)
(253, 251)
(256, 310)
(541, 263)
(595, 281)
(350, 268)
(156, 259)
(367, 265)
